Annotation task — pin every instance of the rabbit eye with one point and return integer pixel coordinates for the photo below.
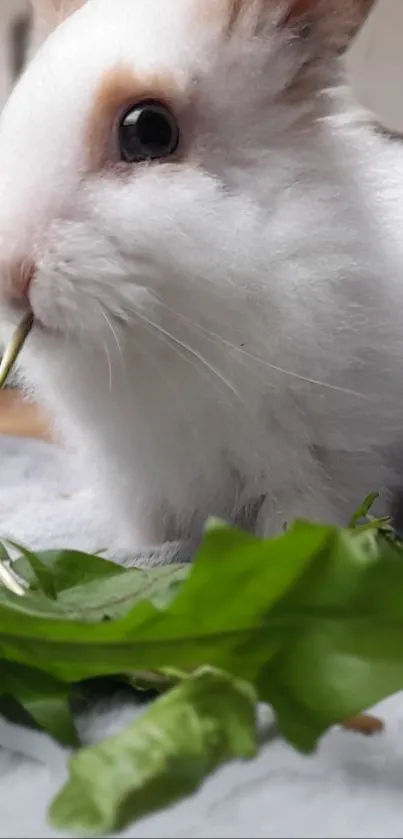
(148, 132)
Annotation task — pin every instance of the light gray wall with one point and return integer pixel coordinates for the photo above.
(375, 62)
(9, 9)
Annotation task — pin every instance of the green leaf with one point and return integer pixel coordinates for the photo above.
(343, 633)
(313, 617)
(153, 681)
(12, 711)
(115, 595)
(163, 755)
(109, 596)
(67, 569)
(41, 572)
(42, 697)
(4, 554)
(363, 510)
(235, 580)
(236, 577)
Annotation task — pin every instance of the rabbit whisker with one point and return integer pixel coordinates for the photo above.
(241, 351)
(173, 341)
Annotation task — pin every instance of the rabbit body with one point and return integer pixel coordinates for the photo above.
(218, 333)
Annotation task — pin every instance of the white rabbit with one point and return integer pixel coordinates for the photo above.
(210, 235)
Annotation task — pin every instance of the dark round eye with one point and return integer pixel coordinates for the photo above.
(148, 132)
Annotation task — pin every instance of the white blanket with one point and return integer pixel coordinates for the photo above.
(353, 787)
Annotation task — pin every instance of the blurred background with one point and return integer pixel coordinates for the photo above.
(14, 29)
(375, 61)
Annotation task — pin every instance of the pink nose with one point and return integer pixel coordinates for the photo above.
(19, 280)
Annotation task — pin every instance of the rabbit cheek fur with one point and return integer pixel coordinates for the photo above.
(219, 333)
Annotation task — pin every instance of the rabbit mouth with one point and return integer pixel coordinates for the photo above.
(25, 324)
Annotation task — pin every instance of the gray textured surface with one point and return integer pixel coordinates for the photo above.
(351, 788)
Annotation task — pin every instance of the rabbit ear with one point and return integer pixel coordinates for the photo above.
(336, 22)
(333, 23)
(53, 12)
(47, 14)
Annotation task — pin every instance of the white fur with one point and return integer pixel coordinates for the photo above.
(226, 332)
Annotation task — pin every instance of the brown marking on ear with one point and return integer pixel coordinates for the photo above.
(335, 21)
(118, 90)
(282, 12)
(235, 10)
(239, 10)
(229, 14)
(297, 9)
(217, 12)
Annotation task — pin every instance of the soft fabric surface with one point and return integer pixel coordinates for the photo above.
(352, 788)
